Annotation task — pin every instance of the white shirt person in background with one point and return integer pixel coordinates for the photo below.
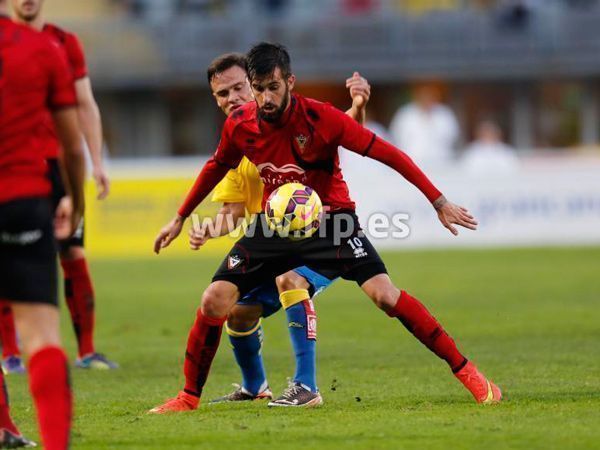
(487, 154)
(425, 128)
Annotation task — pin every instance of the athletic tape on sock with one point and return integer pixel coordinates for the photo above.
(235, 333)
(293, 296)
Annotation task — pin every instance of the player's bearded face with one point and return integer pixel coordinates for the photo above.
(27, 9)
(272, 95)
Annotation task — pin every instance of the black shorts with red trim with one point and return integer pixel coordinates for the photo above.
(338, 249)
(28, 268)
(58, 192)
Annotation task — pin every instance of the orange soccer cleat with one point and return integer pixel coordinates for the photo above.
(482, 389)
(183, 402)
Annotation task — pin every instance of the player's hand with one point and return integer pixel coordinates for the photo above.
(102, 182)
(63, 225)
(360, 90)
(198, 237)
(451, 214)
(168, 234)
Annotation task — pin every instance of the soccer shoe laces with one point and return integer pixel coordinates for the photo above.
(292, 390)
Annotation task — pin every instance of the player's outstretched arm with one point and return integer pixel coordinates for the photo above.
(91, 127)
(209, 177)
(362, 141)
(360, 92)
(73, 160)
(451, 214)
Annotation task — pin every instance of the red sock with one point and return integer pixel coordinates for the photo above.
(51, 390)
(79, 293)
(202, 345)
(415, 317)
(5, 419)
(8, 334)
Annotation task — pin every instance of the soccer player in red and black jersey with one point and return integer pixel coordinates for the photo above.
(34, 82)
(280, 132)
(79, 291)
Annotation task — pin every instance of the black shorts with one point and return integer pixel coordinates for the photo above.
(28, 267)
(339, 249)
(58, 192)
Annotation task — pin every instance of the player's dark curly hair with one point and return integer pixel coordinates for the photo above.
(264, 58)
(224, 62)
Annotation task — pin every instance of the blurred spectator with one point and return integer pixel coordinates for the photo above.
(426, 129)
(272, 7)
(517, 14)
(357, 168)
(377, 127)
(488, 155)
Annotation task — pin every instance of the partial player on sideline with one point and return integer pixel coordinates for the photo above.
(35, 82)
(78, 286)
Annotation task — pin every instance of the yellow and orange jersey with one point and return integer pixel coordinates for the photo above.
(241, 185)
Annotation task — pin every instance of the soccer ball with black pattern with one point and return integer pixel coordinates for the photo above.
(294, 211)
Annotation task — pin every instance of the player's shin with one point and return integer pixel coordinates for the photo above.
(419, 321)
(247, 346)
(8, 334)
(79, 293)
(51, 391)
(302, 324)
(6, 422)
(202, 345)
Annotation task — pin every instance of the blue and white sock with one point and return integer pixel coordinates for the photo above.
(247, 348)
(302, 324)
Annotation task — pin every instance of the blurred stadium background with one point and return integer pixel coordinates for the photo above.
(529, 67)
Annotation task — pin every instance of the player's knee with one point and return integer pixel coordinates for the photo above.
(384, 299)
(212, 303)
(291, 280)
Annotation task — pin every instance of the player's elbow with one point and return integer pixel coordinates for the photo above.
(291, 280)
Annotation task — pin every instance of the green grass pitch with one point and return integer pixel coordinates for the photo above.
(530, 318)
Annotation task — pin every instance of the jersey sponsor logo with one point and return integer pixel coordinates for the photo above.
(24, 238)
(286, 168)
(271, 175)
(233, 261)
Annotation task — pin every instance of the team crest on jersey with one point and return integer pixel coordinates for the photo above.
(301, 140)
(233, 261)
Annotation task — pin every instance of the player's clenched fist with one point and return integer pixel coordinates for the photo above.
(198, 237)
(360, 90)
(168, 234)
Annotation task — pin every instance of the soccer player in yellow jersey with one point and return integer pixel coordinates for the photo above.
(241, 193)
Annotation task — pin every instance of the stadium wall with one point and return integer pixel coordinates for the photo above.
(547, 201)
